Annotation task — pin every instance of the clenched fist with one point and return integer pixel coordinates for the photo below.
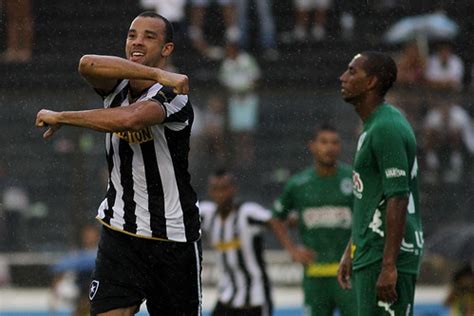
(47, 118)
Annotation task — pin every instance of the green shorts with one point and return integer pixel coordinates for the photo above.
(323, 295)
(364, 281)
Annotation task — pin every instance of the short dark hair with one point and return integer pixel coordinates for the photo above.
(169, 32)
(383, 67)
(324, 128)
(223, 172)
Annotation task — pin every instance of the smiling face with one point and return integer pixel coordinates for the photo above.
(354, 81)
(146, 41)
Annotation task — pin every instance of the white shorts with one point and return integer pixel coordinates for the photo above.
(205, 3)
(313, 4)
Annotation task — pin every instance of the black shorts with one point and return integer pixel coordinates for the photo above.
(130, 270)
(225, 310)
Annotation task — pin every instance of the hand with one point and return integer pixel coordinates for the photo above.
(47, 118)
(344, 272)
(179, 83)
(386, 284)
(303, 255)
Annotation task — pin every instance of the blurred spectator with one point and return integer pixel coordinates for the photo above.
(19, 28)
(448, 136)
(196, 26)
(239, 74)
(81, 264)
(214, 129)
(346, 17)
(460, 299)
(411, 65)
(5, 277)
(266, 31)
(15, 203)
(445, 69)
(303, 20)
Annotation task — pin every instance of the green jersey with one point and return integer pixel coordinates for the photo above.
(324, 206)
(385, 165)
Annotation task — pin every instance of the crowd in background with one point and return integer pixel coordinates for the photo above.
(432, 81)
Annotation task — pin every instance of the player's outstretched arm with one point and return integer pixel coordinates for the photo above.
(344, 271)
(102, 72)
(134, 117)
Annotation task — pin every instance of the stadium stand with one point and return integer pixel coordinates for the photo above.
(297, 92)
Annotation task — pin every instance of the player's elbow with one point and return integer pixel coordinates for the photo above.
(86, 64)
(132, 123)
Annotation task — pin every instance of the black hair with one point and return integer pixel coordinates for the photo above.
(464, 270)
(223, 172)
(324, 128)
(169, 32)
(383, 67)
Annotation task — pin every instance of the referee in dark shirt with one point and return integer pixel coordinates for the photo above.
(149, 248)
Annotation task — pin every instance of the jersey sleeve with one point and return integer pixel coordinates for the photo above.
(206, 210)
(390, 150)
(257, 214)
(284, 204)
(178, 111)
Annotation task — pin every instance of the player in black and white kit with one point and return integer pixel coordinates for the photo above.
(149, 248)
(235, 231)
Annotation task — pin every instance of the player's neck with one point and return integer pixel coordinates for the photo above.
(368, 105)
(225, 210)
(325, 170)
(138, 86)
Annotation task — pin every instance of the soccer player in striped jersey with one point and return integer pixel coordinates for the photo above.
(321, 195)
(149, 248)
(235, 231)
(385, 252)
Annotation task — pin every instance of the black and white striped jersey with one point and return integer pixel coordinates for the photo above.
(238, 239)
(149, 192)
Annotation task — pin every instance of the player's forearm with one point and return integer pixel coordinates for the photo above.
(348, 249)
(111, 67)
(395, 229)
(102, 120)
(281, 233)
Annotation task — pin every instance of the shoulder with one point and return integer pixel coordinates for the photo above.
(207, 207)
(166, 95)
(301, 177)
(457, 60)
(253, 209)
(254, 213)
(391, 128)
(390, 119)
(249, 207)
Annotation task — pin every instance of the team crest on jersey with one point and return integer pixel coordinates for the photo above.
(93, 289)
(138, 137)
(346, 186)
(358, 185)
